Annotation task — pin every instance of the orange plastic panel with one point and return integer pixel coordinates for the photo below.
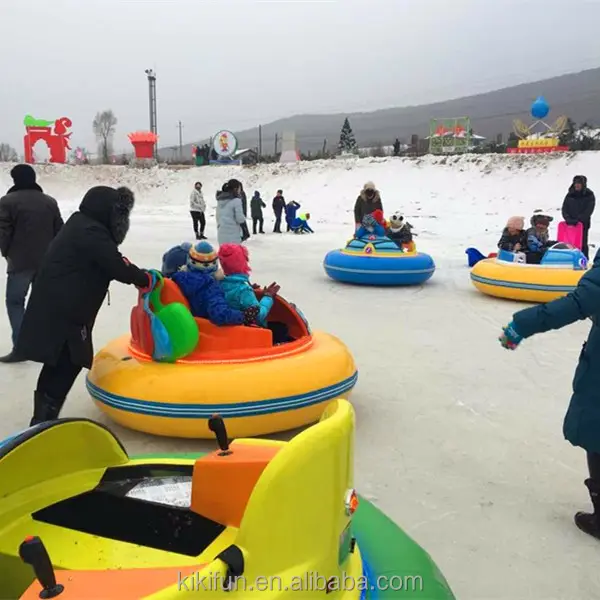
(221, 485)
(121, 584)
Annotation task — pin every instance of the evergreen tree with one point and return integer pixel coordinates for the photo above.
(567, 136)
(347, 141)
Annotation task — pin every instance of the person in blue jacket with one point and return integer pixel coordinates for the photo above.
(240, 293)
(370, 226)
(582, 421)
(198, 283)
(300, 224)
(291, 208)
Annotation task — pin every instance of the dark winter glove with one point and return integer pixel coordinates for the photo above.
(510, 339)
(272, 290)
(251, 315)
(148, 284)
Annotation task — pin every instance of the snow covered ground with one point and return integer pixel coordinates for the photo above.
(458, 440)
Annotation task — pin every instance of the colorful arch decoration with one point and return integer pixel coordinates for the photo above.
(55, 134)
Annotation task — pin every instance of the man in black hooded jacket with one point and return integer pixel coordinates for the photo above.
(29, 220)
(578, 207)
(69, 290)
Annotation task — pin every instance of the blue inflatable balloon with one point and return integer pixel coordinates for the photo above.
(540, 108)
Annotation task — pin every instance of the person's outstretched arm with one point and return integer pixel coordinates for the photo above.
(580, 304)
(105, 253)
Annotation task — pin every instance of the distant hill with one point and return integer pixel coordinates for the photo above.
(576, 95)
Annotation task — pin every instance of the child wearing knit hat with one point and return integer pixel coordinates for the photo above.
(514, 238)
(198, 283)
(236, 284)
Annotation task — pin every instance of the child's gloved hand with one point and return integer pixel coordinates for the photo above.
(272, 290)
(251, 315)
(510, 339)
(255, 286)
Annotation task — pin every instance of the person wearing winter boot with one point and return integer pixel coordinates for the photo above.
(278, 209)
(368, 201)
(230, 213)
(578, 207)
(256, 206)
(198, 281)
(69, 290)
(29, 221)
(197, 210)
(582, 421)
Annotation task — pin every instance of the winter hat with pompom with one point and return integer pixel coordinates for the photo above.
(234, 259)
(202, 257)
(516, 223)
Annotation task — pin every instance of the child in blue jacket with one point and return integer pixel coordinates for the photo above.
(371, 226)
(300, 224)
(291, 208)
(236, 285)
(198, 284)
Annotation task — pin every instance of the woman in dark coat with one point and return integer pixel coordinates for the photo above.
(582, 421)
(368, 201)
(578, 207)
(69, 290)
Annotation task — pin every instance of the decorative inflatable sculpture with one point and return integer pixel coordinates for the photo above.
(546, 140)
(55, 134)
(143, 144)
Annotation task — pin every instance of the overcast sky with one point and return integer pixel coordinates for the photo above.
(237, 63)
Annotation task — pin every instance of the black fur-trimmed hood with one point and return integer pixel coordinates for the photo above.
(111, 207)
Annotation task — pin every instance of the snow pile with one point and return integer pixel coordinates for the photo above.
(452, 200)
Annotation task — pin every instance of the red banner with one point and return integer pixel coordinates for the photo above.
(537, 150)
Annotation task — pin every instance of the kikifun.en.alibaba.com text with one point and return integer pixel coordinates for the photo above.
(310, 582)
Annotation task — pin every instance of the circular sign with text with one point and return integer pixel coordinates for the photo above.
(225, 143)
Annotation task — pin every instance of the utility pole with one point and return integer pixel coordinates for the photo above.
(259, 141)
(152, 98)
(180, 127)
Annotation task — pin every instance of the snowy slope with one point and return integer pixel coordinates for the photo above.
(458, 440)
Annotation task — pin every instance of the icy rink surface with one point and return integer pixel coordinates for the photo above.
(458, 440)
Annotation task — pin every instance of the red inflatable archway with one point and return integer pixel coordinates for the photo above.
(56, 134)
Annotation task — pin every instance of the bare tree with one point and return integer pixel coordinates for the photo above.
(104, 126)
(8, 153)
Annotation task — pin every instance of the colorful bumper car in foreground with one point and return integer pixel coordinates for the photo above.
(507, 276)
(375, 260)
(258, 387)
(255, 518)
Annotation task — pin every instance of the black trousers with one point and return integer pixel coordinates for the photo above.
(245, 232)
(257, 221)
(584, 242)
(57, 380)
(198, 218)
(593, 461)
(277, 227)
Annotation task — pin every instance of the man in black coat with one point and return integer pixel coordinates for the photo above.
(69, 290)
(29, 220)
(578, 207)
(278, 208)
